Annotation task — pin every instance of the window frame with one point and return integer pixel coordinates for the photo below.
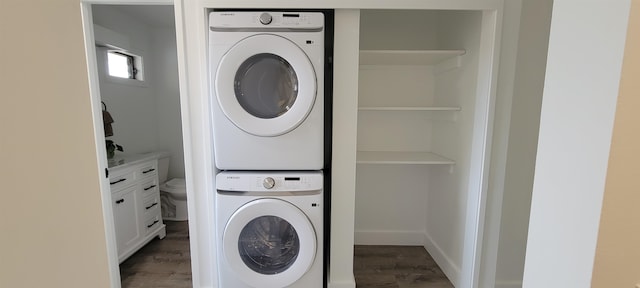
(136, 66)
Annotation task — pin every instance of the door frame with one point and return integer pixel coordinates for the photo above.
(99, 137)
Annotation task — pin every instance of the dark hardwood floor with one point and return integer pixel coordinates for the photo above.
(166, 264)
(162, 263)
(397, 267)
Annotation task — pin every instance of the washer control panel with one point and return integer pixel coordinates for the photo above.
(266, 19)
(269, 181)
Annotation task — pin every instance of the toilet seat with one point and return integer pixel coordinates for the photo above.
(176, 187)
(176, 183)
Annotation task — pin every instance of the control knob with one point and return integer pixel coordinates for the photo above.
(266, 18)
(268, 183)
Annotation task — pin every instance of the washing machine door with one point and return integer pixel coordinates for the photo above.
(266, 85)
(269, 243)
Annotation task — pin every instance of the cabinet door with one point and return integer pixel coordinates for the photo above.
(125, 217)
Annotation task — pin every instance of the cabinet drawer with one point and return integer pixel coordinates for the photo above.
(147, 169)
(149, 187)
(152, 223)
(121, 178)
(125, 216)
(150, 205)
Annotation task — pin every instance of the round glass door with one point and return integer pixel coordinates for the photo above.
(265, 85)
(269, 243)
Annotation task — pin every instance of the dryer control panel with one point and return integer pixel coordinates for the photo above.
(266, 19)
(269, 181)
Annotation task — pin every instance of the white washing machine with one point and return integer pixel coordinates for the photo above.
(267, 89)
(269, 229)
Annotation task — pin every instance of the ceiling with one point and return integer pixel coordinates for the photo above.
(152, 15)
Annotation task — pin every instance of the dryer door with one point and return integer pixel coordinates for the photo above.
(269, 243)
(266, 85)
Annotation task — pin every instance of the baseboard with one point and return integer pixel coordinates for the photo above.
(405, 238)
(348, 284)
(446, 264)
(508, 284)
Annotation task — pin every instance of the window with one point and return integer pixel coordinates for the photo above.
(124, 65)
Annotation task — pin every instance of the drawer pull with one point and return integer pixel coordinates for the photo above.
(119, 201)
(145, 189)
(149, 207)
(116, 182)
(147, 171)
(154, 223)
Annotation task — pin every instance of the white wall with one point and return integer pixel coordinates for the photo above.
(345, 101)
(392, 212)
(450, 190)
(379, 29)
(167, 97)
(53, 232)
(147, 115)
(528, 83)
(132, 106)
(583, 70)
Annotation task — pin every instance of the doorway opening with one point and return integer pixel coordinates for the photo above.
(134, 77)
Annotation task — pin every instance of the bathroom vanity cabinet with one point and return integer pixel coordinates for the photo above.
(136, 205)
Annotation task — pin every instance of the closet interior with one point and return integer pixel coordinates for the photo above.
(417, 106)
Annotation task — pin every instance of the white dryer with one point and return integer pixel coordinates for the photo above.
(269, 229)
(267, 89)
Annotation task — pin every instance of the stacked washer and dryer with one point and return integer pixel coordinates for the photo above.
(267, 97)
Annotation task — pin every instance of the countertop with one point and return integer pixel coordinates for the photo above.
(122, 160)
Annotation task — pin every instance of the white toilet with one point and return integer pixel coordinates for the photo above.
(173, 193)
